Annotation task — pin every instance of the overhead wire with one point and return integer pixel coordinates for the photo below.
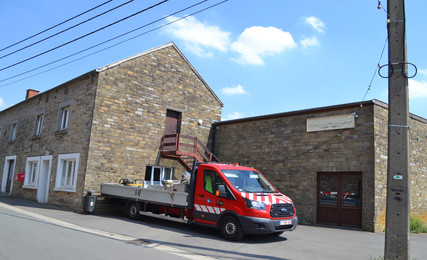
(104, 42)
(67, 29)
(83, 36)
(116, 44)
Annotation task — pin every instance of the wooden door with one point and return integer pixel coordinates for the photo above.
(339, 199)
(172, 127)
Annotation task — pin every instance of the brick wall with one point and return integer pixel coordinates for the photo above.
(80, 92)
(291, 158)
(417, 166)
(130, 114)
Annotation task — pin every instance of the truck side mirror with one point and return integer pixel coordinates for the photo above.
(222, 191)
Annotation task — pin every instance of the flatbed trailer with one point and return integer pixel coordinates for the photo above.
(236, 199)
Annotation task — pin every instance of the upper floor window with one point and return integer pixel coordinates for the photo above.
(39, 125)
(64, 116)
(13, 130)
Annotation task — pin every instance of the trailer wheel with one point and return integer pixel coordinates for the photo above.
(132, 210)
(230, 228)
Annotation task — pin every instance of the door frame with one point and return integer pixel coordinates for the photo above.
(340, 207)
(6, 171)
(43, 183)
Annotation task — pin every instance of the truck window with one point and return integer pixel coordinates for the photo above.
(211, 180)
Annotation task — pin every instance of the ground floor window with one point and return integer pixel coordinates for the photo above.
(155, 175)
(67, 171)
(32, 172)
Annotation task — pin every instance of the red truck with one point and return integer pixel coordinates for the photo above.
(235, 199)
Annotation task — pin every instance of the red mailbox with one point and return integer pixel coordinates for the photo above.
(20, 177)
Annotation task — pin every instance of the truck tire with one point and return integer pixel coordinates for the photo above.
(132, 210)
(230, 228)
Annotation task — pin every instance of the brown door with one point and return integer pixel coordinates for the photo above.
(172, 127)
(173, 119)
(339, 199)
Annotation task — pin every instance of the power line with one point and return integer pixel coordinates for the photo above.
(69, 28)
(50, 28)
(114, 45)
(81, 37)
(101, 43)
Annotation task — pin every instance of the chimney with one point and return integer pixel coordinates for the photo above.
(31, 93)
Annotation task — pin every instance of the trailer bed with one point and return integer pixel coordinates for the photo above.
(151, 194)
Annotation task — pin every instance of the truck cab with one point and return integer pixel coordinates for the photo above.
(239, 200)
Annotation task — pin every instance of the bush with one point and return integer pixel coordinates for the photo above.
(417, 225)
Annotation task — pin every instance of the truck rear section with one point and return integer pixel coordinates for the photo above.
(235, 199)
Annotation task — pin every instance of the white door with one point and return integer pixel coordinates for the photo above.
(44, 176)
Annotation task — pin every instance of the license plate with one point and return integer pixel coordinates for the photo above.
(285, 222)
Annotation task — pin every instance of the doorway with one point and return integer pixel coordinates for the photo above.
(173, 122)
(8, 174)
(44, 176)
(339, 199)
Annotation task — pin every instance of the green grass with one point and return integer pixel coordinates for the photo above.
(417, 225)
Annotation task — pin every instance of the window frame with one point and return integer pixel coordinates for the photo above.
(151, 175)
(31, 178)
(61, 173)
(13, 131)
(38, 128)
(64, 121)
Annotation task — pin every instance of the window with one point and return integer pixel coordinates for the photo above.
(155, 175)
(67, 171)
(32, 172)
(64, 116)
(13, 130)
(211, 181)
(39, 125)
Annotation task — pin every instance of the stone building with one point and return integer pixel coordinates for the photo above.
(102, 126)
(332, 161)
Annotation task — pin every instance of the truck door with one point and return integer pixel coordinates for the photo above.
(207, 206)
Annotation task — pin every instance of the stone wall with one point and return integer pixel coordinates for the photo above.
(80, 93)
(290, 157)
(417, 166)
(130, 113)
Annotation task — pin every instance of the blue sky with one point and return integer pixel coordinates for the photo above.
(260, 57)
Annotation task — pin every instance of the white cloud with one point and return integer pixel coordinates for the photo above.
(237, 90)
(316, 23)
(2, 103)
(423, 72)
(199, 38)
(257, 42)
(309, 42)
(417, 89)
(234, 115)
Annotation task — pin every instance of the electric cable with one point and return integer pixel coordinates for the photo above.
(81, 37)
(101, 43)
(67, 29)
(114, 45)
(50, 28)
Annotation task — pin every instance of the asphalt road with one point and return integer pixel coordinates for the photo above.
(140, 238)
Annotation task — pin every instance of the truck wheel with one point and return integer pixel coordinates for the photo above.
(132, 210)
(230, 228)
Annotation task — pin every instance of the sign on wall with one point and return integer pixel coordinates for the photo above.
(330, 123)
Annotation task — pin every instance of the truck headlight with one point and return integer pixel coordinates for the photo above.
(253, 204)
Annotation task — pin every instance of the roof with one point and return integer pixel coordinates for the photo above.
(314, 110)
(170, 44)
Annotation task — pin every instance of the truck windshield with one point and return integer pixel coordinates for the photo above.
(248, 181)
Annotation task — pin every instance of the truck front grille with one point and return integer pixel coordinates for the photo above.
(282, 210)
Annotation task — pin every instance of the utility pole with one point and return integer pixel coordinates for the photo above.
(398, 203)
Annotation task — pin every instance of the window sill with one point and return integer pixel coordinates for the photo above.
(27, 186)
(61, 132)
(64, 189)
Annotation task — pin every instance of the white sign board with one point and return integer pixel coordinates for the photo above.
(330, 123)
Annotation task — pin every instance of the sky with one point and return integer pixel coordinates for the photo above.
(259, 57)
